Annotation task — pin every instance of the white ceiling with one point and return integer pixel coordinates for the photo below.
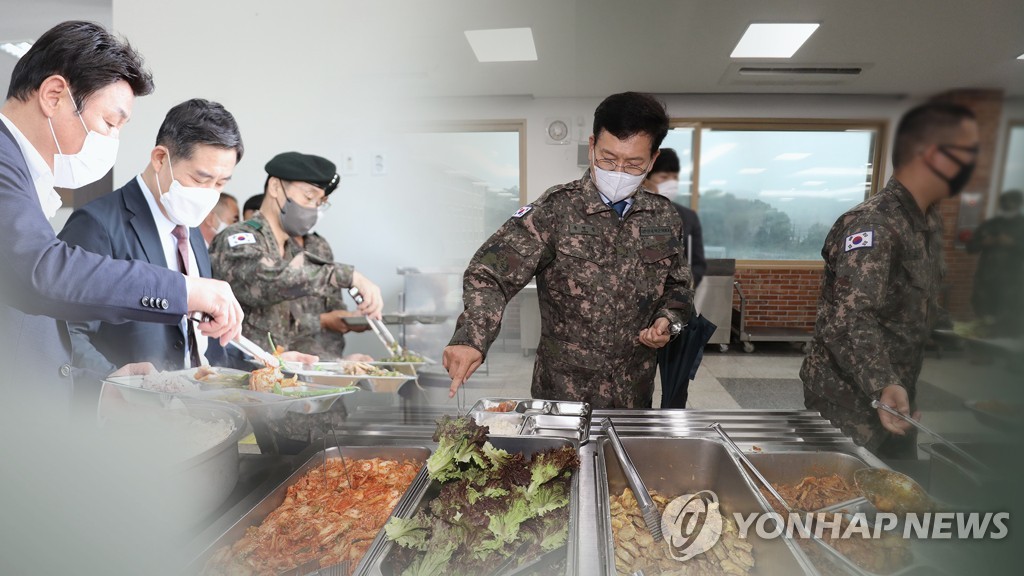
(591, 48)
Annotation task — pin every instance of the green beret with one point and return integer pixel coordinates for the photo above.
(298, 167)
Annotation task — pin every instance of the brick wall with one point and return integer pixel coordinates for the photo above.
(988, 107)
(779, 297)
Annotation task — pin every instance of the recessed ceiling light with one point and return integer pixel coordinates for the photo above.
(751, 170)
(772, 40)
(792, 156)
(16, 49)
(503, 45)
(1021, 57)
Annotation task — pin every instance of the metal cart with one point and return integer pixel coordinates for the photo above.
(749, 335)
(713, 299)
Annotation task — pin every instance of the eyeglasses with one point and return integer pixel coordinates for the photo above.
(310, 198)
(612, 166)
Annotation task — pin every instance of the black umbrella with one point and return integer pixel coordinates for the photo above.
(678, 360)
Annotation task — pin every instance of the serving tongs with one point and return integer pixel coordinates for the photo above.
(647, 507)
(850, 565)
(383, 334)
(979, 466)
(241, 342)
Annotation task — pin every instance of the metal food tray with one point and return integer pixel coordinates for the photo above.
(516, 420)
(257, 405)
(273, 500)
(548, 418)
(677, 466)
(1011, 423)
(573, 427)
(792, 467)
(330, 374)
(378, 565)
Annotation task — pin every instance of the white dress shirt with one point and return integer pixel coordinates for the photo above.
(38, 170)
(165, 229)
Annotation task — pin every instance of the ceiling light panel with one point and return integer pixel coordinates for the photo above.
(503, 45)
(773, 40)
(16, 49)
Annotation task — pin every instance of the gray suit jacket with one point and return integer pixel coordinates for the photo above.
(121, 225)
(43, 282)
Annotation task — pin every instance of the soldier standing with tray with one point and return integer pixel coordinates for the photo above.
(612, 281)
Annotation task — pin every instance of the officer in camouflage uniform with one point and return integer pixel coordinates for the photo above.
(883, 273)
(286, 279)
(612, 288)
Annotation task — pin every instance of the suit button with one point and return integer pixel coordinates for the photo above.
(179, 345)
(65, 370)
(145, 301)
(164, 304)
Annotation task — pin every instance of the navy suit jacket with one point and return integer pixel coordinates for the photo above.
(121, 225)
(43, 281)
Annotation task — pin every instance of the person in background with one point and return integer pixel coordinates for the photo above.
(251, 206)
(879, 292)
(284, 274)
(664, 179)
(69, 97)
(612, 282)
(999, 278)
(224, 214)
(154, 218)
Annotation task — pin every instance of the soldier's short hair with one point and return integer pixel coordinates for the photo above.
(199, 122)
(924, 125)
(667, 161)
(631, 113)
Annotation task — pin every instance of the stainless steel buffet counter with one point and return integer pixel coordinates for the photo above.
(780, 438)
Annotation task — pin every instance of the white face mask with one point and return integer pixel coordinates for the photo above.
(186, 205)
(615, 186)
(669, 188)
(91, 163)
(221, 226)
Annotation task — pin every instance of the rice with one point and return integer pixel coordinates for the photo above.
(169, 383)
(500, 424)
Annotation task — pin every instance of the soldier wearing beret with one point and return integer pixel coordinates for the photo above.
(285, 276)
(883, 273)
(612, 281)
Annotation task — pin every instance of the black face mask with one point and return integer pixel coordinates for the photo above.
(960, 179)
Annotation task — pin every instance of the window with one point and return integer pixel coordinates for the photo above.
(1013, 169)
(472, 173)
(771, 190)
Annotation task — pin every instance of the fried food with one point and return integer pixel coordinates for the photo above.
(636, 549)
(884, 555)
(270, 379)
(364, 369)
(321, 518)
(506, 406)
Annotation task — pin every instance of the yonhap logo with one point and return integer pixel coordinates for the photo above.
(692, 524)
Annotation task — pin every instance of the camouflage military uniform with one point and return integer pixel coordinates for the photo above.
(285, 296)
(600, 280)
(879, 300)
(282, 296)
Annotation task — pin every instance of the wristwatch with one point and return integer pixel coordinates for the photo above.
(675, 328)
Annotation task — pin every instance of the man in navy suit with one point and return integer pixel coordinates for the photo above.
(69, 97)
(154, 218)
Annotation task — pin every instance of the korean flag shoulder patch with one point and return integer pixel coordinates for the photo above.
(860, 240)
(241, 239)
(523, 211)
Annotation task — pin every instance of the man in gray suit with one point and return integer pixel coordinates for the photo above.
(154, 218)
(69, 97)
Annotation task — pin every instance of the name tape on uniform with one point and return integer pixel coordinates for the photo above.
(655, 230)
(241, 239)
(523, 211)
(860, 240)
